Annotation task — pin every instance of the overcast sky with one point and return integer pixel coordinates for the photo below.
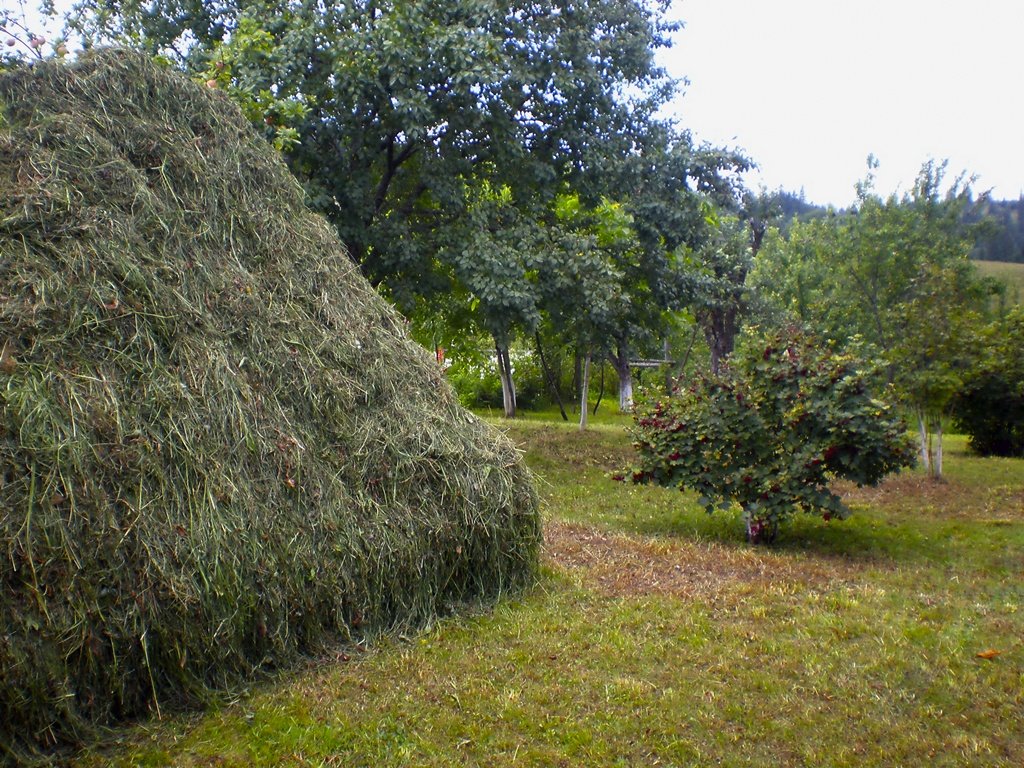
(810, 87)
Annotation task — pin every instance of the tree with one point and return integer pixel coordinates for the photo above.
(593, 294)
(734, 225)
(989, 407)
(893, 276)
(387, 109)
(21, 38)
(770, 430)
(495, 254)
(722, 297)
(672, 193)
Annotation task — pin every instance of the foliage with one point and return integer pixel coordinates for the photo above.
(989, 407)
(858, 273)
(893, 274)
(770, 431)
(723, 296)
(388, 110)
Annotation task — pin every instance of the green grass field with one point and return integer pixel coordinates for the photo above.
(657, 637)
(1013, 274)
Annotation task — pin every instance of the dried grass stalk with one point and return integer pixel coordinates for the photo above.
(218, 447)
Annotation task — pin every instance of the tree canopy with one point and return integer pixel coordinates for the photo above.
(385, 108)
(893, 274)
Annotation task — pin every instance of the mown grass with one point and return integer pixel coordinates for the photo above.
(658, 637)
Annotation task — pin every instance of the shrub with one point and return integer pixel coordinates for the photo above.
(990, 406)
(770, 431)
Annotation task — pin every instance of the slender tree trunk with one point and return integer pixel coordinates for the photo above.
(577, 374)
(549, 377)
(584, 391)
(922, 432)
(620, 362)
(600, 391)
(508, 387)
(930, 435)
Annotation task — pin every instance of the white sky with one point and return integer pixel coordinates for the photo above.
(810, 87)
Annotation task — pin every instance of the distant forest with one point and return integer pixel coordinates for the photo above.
(1003, 240)
(1006, 243)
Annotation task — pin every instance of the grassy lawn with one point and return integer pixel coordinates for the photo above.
(657, 637)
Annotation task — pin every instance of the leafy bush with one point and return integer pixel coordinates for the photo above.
(990, 406)
(770, 431)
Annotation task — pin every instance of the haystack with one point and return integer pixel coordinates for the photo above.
(218, 447)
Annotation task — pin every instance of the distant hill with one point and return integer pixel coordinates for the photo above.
(791, 206)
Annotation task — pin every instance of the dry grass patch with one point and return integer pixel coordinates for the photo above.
(950, 500)
(617, 565)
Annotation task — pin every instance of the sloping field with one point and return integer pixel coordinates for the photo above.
(1012, 273)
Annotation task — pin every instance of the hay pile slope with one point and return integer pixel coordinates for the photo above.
(218, 448)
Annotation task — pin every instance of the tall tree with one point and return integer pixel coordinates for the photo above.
(723, 297)
(385, 108)
(674, 193)
(893, 274)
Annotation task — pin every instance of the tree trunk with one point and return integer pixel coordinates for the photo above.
(600, 391)
(922, 433)
(577, 374)
(930, 436)
(620, 362)
(549, 377)
(584, 391)
(760, 531)
(719, 326)
(508, 387)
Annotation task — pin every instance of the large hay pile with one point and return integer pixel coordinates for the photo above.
(218, 448)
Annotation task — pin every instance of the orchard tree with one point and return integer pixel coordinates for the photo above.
(673, 193)
(387, 109)
(593, 292)
(770, 431)
(515, 268)
(495, 255)
(721, 298)
(894, 276)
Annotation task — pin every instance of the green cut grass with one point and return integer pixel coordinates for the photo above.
(657, 637)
